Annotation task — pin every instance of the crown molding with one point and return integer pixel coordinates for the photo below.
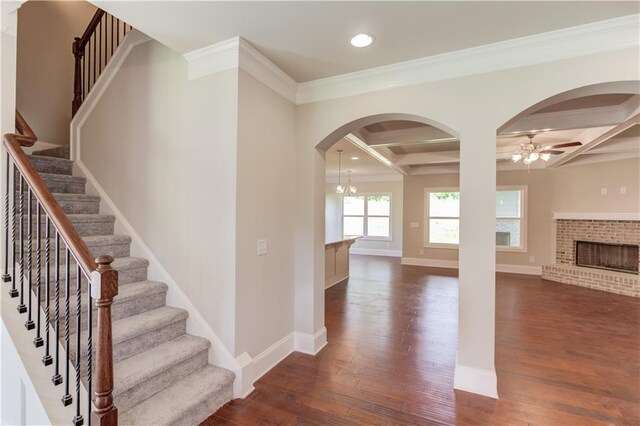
(213, 59)
(238, 53)
(597, 37)
(262, 69)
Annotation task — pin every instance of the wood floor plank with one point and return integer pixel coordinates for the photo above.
(565, 355)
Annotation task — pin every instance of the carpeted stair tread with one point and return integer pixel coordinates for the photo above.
(58, 152)
(145, 374)
(87, 224)
(46, 164)
(78, 203)
(188, 401)
(137, 325)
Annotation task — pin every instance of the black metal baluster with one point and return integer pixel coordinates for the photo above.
(117, 32)
(67, 398)
(29, 324)
(57, 378)
(94, 60)
(38, 339)
(46, 359)
(111, 35)
(89, 350)
(99, 35)
(84, 95)
(21, 306)
(77, 420)
(87, 55)
(104, 29)
(14, 223)
(6, 277)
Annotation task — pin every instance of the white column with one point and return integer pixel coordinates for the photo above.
(475, 368)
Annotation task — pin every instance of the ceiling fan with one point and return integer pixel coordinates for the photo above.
(531, 152)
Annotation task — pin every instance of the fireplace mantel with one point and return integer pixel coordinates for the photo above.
(596, 216)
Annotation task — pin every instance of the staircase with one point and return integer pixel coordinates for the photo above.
(161, 374)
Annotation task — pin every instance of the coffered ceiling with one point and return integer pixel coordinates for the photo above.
(607, 126)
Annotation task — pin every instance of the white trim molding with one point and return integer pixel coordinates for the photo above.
(453, 264)
(238, 53)
(475, 380)
(597, 37)
(596, 216)
(311, 344)
(376, 252)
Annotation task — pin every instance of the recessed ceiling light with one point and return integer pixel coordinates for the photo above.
(361, 40)
(355, 158)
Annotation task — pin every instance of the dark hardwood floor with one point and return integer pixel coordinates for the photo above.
(565, 355)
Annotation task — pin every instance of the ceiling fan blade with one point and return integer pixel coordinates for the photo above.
(551, 151)
(563, 145)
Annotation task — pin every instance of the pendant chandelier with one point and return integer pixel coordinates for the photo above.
(350, 189)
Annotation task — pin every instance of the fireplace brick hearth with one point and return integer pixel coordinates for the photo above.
(568, 231)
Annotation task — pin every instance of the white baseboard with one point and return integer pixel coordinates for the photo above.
(311, 343)
(519, 269)
(434, 263)
(453, 264)
(376, 252)
(475, 380)
(270, 357)
(293, 342)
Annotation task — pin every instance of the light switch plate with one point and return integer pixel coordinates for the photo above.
(414, 225)
(262, 247)
(623, 190)
(603, 191)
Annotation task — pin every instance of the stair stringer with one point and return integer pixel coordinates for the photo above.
(196, 325)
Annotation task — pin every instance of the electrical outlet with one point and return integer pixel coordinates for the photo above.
(532, 259)
(603, 191)
(414, 225)
(262, 247)
(623, 190)
(421, 251)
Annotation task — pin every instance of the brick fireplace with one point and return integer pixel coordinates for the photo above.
(608, 257)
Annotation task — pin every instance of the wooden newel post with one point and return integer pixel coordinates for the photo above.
(78, 53)
(104, 287)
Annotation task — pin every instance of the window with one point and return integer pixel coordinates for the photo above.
(367, 216)
(442, 207)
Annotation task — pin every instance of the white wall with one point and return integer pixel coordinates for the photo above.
(265, 210)
(46, 65)
(164, 149)
(333, 217)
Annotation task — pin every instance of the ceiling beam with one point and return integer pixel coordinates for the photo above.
(354, 139)
(633, 121)
(573, 119)
(428, 158)
(414, 135)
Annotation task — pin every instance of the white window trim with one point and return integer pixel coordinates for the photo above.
(365, 215)
(523, 219)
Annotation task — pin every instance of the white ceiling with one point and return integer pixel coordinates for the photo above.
(310, 39)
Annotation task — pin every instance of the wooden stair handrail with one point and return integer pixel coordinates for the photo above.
(14, 142)
(93, 24)
(25, 135)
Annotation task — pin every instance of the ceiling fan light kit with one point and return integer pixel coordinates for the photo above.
(531, 152)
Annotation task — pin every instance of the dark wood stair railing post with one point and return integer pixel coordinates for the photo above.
(104, 287)
(78, 53)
